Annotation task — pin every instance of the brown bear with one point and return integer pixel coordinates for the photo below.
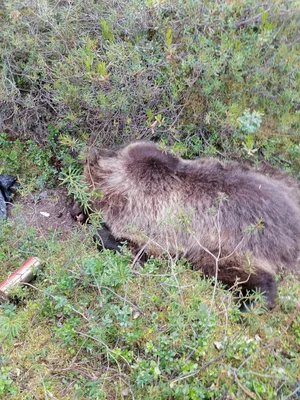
(232, 222)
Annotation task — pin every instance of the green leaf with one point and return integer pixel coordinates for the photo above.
(169, 38)
(264, 17)
(101, 68)
(106, 30)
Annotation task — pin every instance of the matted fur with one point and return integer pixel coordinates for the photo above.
(213, 213)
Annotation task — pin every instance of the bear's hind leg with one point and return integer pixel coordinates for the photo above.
(231, 272)
(265, 283)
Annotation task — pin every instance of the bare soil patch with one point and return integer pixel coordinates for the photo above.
(46, 211)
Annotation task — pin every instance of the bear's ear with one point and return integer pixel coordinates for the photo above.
(149, 156)
(92, 156)
(107, 153)
(95, 154)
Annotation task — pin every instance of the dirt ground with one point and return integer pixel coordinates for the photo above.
(45, 211)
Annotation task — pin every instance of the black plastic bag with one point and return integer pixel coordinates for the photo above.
(7, 186)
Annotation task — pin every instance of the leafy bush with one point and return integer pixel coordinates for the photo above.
(37, 167)
(177, 71)
(7, 386)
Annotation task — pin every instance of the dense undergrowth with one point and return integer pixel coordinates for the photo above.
(95, 326)
(209, 78)
(181, 72)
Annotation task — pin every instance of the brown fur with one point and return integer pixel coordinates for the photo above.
(214, 214)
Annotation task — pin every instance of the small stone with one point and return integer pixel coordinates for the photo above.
(136, 315)
(45, 214)
(43, 195)
(218, 345)
(125, 392)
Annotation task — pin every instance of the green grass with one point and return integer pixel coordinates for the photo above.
(93, 326)
(208, 78)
